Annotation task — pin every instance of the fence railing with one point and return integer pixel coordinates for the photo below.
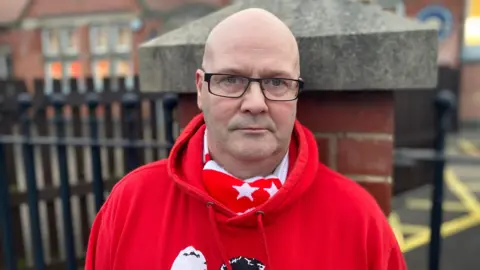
(60, 155)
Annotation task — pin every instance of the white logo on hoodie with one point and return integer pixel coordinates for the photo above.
(190, 259)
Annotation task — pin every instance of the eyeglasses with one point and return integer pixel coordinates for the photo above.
(234, 86)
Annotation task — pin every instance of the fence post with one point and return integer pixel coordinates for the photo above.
(444, 103)
(58, 102)
(170, 101)
(25, 102)
(6, 215)
(97, 181)
(130, 101)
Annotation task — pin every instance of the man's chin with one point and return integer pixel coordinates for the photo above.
(254, 151)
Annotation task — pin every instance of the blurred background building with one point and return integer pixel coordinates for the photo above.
(57, 39)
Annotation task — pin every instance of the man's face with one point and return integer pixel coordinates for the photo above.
(250, 127)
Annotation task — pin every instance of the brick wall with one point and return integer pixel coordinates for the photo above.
(353, 130)
(27, 58)
(470, 96)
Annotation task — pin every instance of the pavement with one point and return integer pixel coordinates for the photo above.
(461, 223)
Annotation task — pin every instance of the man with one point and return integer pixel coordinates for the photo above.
(243, 187)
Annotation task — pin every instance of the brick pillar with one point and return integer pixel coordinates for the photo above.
(354, 133)
(353, 130)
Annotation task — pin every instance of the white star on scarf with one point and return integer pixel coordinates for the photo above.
(272, 190)
(245, 190)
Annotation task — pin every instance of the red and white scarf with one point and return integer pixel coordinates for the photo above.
(240, 196)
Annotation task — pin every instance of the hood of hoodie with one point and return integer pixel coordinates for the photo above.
(185, 165)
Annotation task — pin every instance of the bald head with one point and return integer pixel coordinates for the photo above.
(254, 30)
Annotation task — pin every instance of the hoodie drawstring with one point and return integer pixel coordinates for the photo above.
(261, 227)
(216, 235)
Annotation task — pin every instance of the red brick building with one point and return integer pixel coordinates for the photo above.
(67, 38)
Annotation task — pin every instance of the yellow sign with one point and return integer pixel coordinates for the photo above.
(473, 8)
(472, 24)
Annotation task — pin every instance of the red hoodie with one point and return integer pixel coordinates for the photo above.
(160, 217)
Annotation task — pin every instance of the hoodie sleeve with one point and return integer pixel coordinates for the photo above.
(99, 248)
(387, 254)
(395, 259)
(384, 252)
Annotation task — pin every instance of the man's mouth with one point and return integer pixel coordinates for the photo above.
(253, 129)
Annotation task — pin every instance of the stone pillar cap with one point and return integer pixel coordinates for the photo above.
(344, 45)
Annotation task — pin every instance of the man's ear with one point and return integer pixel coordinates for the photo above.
(199, 80)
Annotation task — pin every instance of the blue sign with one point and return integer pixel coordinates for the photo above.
(440, 16)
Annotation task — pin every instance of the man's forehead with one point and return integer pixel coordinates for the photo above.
(269, 60)
(250, 30)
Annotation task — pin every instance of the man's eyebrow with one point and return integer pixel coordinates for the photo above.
(276, 73)
(263, 73)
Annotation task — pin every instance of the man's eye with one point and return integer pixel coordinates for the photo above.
(232, 79)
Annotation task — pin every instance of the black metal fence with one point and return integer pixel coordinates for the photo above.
(60, 154)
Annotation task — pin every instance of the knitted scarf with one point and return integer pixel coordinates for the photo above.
(240, 196)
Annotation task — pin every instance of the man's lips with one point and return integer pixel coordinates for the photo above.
(253, 129)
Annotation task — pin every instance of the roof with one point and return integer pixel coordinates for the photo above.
(11, 10)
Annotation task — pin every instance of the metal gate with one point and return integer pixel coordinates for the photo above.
(444, 104)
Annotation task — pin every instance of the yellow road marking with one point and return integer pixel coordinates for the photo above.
(468, 147)
(449, 228)
(426, 204)
(421, 236)
(394, 220)
(461, 191)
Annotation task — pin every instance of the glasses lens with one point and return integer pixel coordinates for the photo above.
(234, 86)
(228, 85)
(280, 89)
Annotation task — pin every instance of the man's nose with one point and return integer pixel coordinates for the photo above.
(254, 100)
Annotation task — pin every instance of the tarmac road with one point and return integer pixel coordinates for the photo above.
(461, 224)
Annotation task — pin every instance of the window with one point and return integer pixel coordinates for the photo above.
(124, 69)
(123, 39)
(111, 47)
(118, 68)
(99, 37)
(110, 39)
(101, 69)
(58, 42)
(51, 42)
(69, 41)
(54, 70)
(73, 69)
(61, 51)
(58, 70)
